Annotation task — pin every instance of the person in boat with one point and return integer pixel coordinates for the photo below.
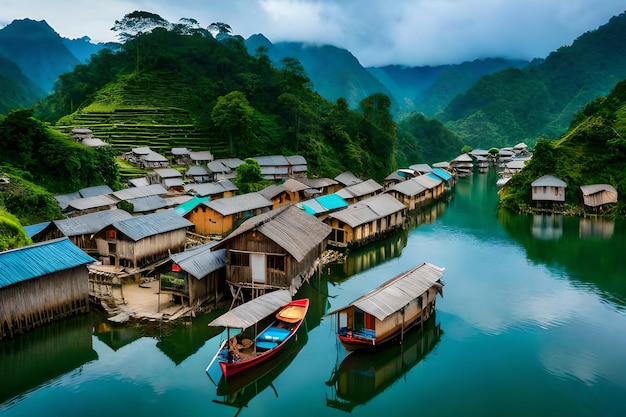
(233, 350)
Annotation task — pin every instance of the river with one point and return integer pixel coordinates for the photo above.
(532, 322)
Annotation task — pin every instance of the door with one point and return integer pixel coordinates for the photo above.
(257, 262)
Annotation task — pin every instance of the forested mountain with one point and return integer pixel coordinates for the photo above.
(429, 89)
(593, 151)
(17, 90)
(518, 105)
(38, 51)
(334, 72)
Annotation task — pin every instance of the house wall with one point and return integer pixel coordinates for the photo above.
(40, 300)
(127, 252)
(548, 193)
(254, 242)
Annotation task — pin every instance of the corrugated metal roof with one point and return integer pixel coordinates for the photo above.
(463, 158)
(399, 291)
(296, 160)
(239, 203)
(144, 191)
(200, 261)
(442, 164)
(348, 178)
(95, 191)
(368, 210)
(155, 157)
(33, 229)
(186, 207)
(427, 181)
(148, 203)
(168, 173)
(196, 170)
(298, 168)
(231, 163)
(140, 227)
(289, 227)
(211, 188)
(142, 151)
(318, 182)
(363, 188)
(423, 168)
(272, 170)
(139, 182)
(596, 188)
(294, 185)
(180, 151)
(408, 187)
(201, 156)
(90, 223)
(271, 160)
(437, 178)
(443, 174)
(218, 167)
(257, 309)
(272, 191)
(64, 199)
(548, 181)
(173, 182)
(37, 260)
(93, 202)
(516, 164)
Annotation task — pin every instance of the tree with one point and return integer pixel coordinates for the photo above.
(248, 177)
(138, 22)
(12, 234)
(233, 115)
(220, 29)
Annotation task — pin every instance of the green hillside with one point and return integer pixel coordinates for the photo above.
(593, 151)
(515, 106)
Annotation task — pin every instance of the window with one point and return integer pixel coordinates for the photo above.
(276, 262)
(239, 258)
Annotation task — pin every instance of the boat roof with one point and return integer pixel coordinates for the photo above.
(247, 314)
(399, 291)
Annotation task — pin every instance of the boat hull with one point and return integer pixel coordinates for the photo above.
(230, 368)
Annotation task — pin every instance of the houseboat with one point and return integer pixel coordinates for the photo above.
(389, 311)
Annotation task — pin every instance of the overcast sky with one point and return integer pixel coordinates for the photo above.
(377, 32)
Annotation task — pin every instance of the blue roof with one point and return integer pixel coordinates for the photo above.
(33, 229)
(41, 259)
(189, 205)
(444, 175)
(323, 204)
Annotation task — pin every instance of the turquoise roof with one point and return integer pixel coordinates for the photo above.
(323, 204)
(189, 205)
(27, 262)
(444, 175)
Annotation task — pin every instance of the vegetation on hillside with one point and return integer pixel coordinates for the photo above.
(12, 235)
(238, 105)
(420, 138)
(514, 106)
(593, 151)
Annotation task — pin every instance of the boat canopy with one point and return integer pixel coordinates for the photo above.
(399, 291)
(247, 314)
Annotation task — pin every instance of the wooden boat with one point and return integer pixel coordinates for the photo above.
(390, 310)
(238, 353)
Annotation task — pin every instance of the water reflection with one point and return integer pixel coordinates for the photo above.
(547, 226)
(596, 228)
(44, 354)
(362, 375)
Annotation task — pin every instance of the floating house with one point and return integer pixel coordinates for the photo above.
(217, 217)
(389, 311)
(366, 221)
(410, 193)
(41, 283)
(548, 190)
(598, 195)
(143, 240)
(277, 249)
(195, 275)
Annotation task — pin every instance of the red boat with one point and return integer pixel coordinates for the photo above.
(238, 353)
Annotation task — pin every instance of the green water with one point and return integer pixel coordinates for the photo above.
(532, 323)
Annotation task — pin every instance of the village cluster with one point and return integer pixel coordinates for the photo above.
(188, 229)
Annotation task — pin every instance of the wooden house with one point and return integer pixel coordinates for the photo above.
(548, 190)
(221, 169)
(278, 249)
(421, 169)
(39, 232)
(41, 283)
(146, 158)
(80, 229)
(171, 179)
(347, 179)
(462, 164)
(180, 156)
(87, 205)
(366, 221)
(195, 275)
(296, 190)
(323, 205)
(445, 176)
(143, 240)
(410, 193)
(597, 195)
(201, 157)
(273, 167)
(434, 185)
(217, 217)
(141, 191)
(394, 178)
(297, 166)
(277, 194)
(320, 186)
(360, 191)
(213, 190)
(198, 174)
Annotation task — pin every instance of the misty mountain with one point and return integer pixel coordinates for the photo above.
(334, 72)
(38, 51)
(428, 89)
(82, 48)
(17, 89)
(516, 105)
